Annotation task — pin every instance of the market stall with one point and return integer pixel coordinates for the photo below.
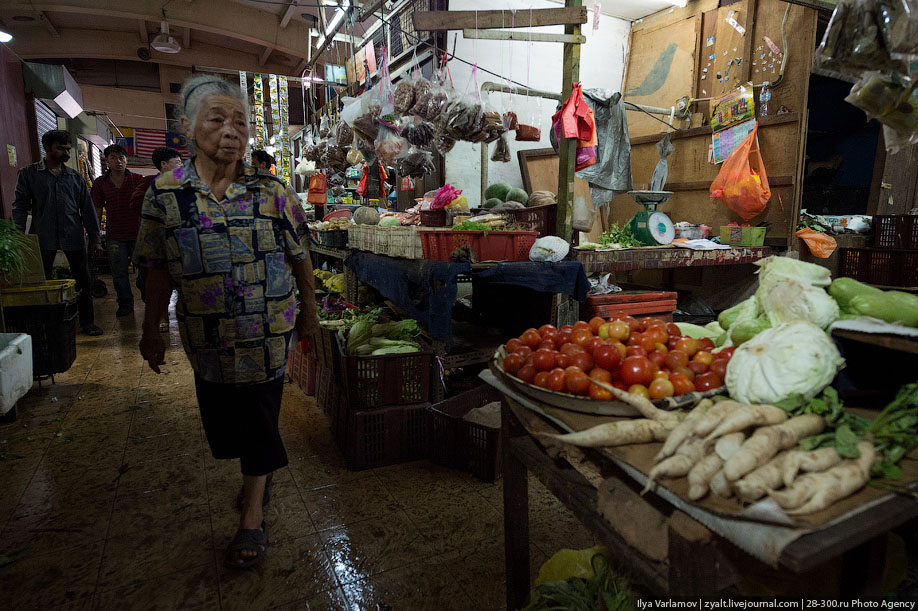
(707, 455)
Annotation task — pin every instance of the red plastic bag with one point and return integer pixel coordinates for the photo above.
(820, 244)
(576, 118)
(742, 183)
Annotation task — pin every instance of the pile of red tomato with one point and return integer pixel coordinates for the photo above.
(647, 357)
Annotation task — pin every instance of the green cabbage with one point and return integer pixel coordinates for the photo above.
(711, 330)
(744, 330)
(807, 273)
(786, 299)
(793, 358)
(747, 308)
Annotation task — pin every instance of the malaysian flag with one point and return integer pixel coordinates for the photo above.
(146, 141)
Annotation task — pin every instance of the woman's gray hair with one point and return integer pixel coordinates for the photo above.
(198, 87)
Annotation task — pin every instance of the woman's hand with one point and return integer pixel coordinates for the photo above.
(153, 350)
(307, 325)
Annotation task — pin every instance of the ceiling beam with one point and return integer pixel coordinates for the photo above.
(331, 37)
(265, 55)
(142, 29)
(48, 25)
(242, 22)
(97, 44)
(288, 14)
(186, 38)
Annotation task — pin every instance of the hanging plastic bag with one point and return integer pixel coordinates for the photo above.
(324, 128)
(418, 132)
(501, 150)
(414, 162)
(528, 129)
(405, 91)
(742, 184)
(576, 116)
(462, 117)
(317, 189)
(344, 135)
(892, 100)
(388, 143)
(820, 244)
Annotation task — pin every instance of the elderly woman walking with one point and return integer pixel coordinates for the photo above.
(225, 236)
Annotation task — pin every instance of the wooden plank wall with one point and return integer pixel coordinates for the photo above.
(781, 137)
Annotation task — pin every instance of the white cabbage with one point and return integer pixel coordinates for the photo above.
(807, 273)
(791, 358)
(786, 299)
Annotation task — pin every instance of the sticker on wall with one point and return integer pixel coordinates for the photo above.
(774, 48)
(710, 41)
(712, 57)
(11, 154)
(731, 19)
(596, 9)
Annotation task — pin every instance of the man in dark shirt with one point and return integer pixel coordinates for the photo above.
(112, 192)
(58, 198)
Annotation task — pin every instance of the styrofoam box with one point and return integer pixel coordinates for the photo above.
(15, 368)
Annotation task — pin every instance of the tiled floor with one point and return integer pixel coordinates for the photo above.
(109, 499)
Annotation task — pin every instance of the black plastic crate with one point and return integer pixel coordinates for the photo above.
(53, 330)
(460, 444)
(895, 231)
(880, 266)
(384, 436)
(391, 379)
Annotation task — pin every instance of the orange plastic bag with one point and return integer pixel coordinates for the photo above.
(317, 189)
(742, 183)
(820, 244)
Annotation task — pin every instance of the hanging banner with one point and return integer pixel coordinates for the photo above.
(275, 117)
(244, 87)
(284, 143)
(259, 112)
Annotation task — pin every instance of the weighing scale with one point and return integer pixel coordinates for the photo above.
(649, 226)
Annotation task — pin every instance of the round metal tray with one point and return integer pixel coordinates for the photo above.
(586, 405)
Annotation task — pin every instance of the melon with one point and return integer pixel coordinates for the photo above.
(491, 203)
(390, 221)
(517, 195)
(498, 190)
(365, 215)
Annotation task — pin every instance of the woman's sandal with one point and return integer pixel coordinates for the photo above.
(251, 539)
(265, 498)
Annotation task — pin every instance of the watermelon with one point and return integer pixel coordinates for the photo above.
(498, 190)
(494, 201)
(517, 195)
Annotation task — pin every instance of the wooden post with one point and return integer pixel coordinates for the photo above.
(567, 148)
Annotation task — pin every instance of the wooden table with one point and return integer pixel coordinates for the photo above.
(665, 258)
(695, 561)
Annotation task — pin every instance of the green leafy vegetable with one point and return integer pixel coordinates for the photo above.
(603, 591)
(895, 431)
(619, 237)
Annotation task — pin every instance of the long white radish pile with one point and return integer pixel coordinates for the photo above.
(816, 491)
(623, 432)
(768, 441)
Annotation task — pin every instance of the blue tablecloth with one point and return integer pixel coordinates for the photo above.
(427, 289)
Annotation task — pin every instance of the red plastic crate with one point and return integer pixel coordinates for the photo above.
(895, 231)
(542, 219)
(385, 380)
(302, 369)
(373, 438)
(495, 246)
(879, 266)
(639, 304)
(457, 443)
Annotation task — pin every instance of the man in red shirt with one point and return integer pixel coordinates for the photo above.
(112, 192)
